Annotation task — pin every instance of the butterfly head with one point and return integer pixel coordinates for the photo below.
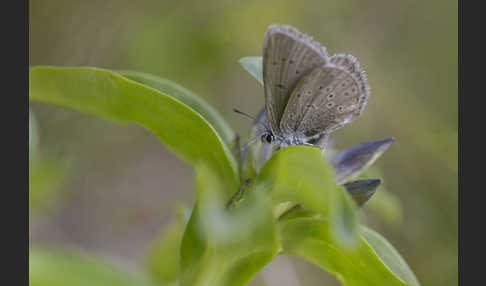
(269, 137)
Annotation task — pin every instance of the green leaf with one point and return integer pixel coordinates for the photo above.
(309, 237)
(47, 175)
(389, 255)
(226, 246)
(253, 65)
(187, 97)
(111, 96)
(61, 268)
(301, 175)
(163, 259)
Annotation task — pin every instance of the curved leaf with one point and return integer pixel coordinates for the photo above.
(301, 175)
(111, 96)
(187, 97)
(389, 255)
(226, 246)
(60, 268)
(309, 238)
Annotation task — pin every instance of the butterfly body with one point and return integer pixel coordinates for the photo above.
(308, 94)
(288, 140)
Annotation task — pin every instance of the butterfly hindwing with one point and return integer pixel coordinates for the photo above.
(288, 55)
(326, 99)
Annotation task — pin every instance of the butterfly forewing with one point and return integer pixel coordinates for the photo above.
(326, 99)
(288, 55)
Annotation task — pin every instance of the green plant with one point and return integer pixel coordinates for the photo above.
(46, 174)
(293, 205)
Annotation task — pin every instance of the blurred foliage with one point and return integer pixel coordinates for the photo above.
(408, 49)
(226, 246)
(33, 136)
(46, 179)
(47, 174)
(163, 259)
(49, 267)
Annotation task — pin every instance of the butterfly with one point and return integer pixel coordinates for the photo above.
(308, 94)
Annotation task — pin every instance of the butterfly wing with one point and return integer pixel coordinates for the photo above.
(326, 99)
(287, 56)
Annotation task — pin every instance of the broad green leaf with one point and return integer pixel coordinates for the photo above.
(254, 66)
(163, 259)
(187, 97)
(61, 268)
(110, 96)
(309, 238)
(389, 255)
(226, 246)
(301, 175)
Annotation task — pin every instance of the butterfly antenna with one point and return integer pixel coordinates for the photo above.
(249, 143)
(243, 113)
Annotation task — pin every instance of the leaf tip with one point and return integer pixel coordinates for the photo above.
(362, 190)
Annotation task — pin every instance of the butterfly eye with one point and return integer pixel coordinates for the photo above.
(267, 138)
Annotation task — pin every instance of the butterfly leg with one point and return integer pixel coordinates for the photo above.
(322, 142)
(238, 195)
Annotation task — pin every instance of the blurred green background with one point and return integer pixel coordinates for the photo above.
(117, 186)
